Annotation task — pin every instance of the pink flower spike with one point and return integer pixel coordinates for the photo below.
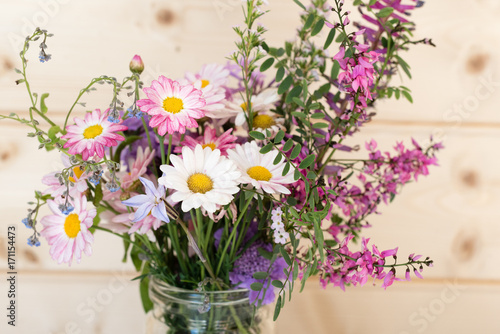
(415, 271)
(330, 25)
(388, 279)
(91, 135)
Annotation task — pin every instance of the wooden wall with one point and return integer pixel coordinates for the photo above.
(453, 215)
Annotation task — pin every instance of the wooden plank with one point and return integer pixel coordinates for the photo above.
(110, 303)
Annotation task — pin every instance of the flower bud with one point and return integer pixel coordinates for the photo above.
(136, 65)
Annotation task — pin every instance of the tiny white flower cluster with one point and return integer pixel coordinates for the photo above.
(280, 235)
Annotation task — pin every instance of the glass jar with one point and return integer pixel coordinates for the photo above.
(181, 311)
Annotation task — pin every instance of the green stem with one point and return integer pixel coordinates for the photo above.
(233, 233)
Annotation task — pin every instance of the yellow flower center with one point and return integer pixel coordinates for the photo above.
(92, 131)
(244, 106)
(72, 225)
(211, 145)
(78, 171)
(204, 83)
(173, 105)
(259, 173)
(200, 183)
(263, 122)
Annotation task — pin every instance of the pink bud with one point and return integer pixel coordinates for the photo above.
(136, 65)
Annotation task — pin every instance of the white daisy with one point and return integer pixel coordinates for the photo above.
(202, 178)
(265, 120)
(258, 169)
(260, 103)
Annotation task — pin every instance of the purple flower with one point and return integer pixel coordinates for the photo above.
(251, 262)
(150, 203)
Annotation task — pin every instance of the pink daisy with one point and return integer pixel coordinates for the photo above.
(90, 135)
(68, 235)
(210, 74)
(173, 107)
(128, 183)
(224, 142)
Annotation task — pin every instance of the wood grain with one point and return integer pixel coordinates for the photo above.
(451, 216)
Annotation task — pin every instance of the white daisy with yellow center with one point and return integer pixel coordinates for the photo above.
(201, 178)
(258, 170)
(267, 121)
(260, 103)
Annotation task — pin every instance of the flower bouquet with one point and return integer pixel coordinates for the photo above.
(233, 180)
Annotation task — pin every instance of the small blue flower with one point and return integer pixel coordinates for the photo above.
(137, 113)
(113, 116)
(27, 222)
(33, 241)
(112, 186)
(151, 202)
(95, 178)
(44, 57)
(66, 208)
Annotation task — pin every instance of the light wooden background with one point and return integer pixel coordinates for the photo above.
(452, 215)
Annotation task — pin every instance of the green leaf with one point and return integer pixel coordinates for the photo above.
(277, 309)
(277, 283)
(288, 48)
(286, 169)
(296, 151)
(147, 304)
(267, 148)
(280, 74)
(385, 12)
(295, 92)
(285, 85)
(256, 286)
(299, 102)
(43, 106)
(278, 158)
(308, 161)
(404, 65)
(280, 52)
(317, 27)
(309, 21)
(298, 114)
(53, 131)
(257, 135)
(260, 275)
(335, 70)
(407, 95)
(300, 4)
(296, 176)
(285, 255)
(279, 137)
(311, 175)
(320, 125)
(329, 39)
(265, 65)
(265, 254)
(318, 115)
(98, 195)
(288, 145)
